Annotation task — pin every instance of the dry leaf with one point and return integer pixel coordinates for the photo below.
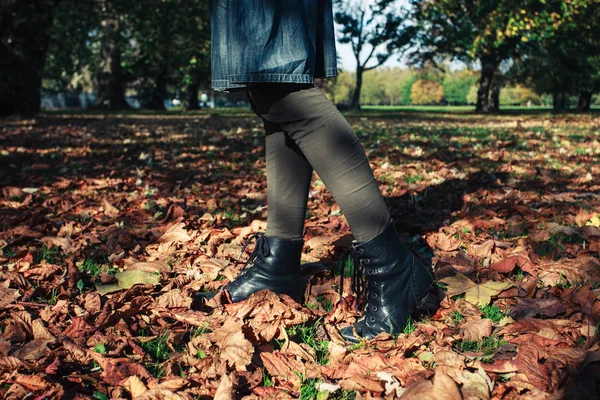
(476, 329)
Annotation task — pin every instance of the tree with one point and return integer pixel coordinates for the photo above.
(488, 32)
(147, 48)
(566, 63)
(457, 86)
(369, 28)
(426, 92)
(24, 32)
(395, 80)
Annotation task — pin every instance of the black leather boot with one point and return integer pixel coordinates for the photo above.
(395, 285)
(274, 264)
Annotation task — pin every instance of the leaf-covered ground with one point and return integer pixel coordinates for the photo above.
(505, 208)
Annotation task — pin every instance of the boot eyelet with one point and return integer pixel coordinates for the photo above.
(372, 319)
(371, 271)
(375, 308)
(374, 295)
(361, 251)
(367, 261)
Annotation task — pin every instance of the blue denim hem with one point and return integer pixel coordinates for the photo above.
(243, 79)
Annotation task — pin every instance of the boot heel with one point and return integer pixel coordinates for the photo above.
(430, 303)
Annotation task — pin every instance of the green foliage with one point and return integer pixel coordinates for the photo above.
(52, 255)
(457, 86)
(493, 312)
(100, 348)
(456, 317)
(487, 346)
(91, 267)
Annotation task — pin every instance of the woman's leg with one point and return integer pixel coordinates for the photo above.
(289, 175)
(331, 146)
(288, 181)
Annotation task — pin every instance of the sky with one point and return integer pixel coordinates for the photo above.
(347, 59)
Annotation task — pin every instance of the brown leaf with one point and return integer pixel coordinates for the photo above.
(484, 250)
(79, 328)
(225, 389)
(457, 284)
(175, 233)
(8, 295)
(10, 364)
(583, 268)
(476, 329)
(510, 263)
(439, 240)
(63, 242)
(134, 385)
(527, 308)
(174, 299)
(234, 348)
(442, 387)
(33, 350)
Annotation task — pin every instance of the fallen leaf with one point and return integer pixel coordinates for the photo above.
(128, 279)
(442, 387)
(234, 348)
(476, 329)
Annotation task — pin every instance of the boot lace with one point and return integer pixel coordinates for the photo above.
(359, 282)
(261, 248)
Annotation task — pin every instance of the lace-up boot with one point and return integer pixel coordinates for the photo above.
(393, 283)
(274, 264)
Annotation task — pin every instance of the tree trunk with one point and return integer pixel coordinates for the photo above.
(111, 84)
(585, 100)
(24, 37)
(355, 104)
(193, 89)
(488, 70)
(159, 93)
(497, 82)
(559, 101)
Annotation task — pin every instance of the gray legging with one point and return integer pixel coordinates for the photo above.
(305, 131)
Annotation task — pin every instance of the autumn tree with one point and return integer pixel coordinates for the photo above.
(24, 33)
(487, 32)
(376, 30)
(568, 63)
(426, 92)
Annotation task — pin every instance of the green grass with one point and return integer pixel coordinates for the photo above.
(410, 326)
(456, 317)
(52, 255)
(267, 379)
(50, 300)
(91, 267)
(308, 390)
(492, 312)
(307, 334)
(326, 304)
(487, 346)
(158, 350)
(7, 252)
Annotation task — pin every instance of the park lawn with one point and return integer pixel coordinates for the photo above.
(506, 209)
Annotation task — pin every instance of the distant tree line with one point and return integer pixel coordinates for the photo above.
(552, 46)
(387, 86)
(109, 47)
(154, 49)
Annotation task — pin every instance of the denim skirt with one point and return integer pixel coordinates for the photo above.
(291, 41)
